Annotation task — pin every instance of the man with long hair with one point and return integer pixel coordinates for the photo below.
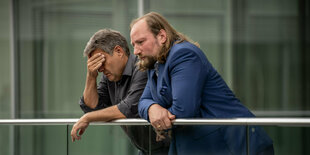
(182, 83)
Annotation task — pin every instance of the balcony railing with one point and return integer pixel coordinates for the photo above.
(283, 122)
(302, 122)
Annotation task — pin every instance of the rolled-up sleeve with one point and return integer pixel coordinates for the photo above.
(129, 105)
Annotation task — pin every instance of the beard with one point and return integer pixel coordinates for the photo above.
(147, 63)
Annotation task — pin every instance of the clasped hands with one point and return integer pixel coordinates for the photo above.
(161, 119)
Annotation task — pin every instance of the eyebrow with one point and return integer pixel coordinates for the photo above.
(141, 39)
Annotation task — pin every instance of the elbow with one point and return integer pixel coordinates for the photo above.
(92, 106)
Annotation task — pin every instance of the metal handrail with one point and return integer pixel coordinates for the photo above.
(232, 121)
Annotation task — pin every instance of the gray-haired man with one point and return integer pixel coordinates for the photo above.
(118, 93)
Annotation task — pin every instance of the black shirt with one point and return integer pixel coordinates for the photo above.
(126, 93)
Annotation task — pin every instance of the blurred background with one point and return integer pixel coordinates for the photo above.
(261, 49)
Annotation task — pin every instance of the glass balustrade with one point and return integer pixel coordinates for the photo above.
(289, 136)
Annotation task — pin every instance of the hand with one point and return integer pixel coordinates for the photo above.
(94, 63)
(160, 117)
(80, 126)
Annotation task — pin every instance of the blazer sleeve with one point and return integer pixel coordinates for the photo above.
(187, 70)
(146, 101)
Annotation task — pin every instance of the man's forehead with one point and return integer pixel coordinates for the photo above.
(139, 26)
(139, 31)
(96, 51)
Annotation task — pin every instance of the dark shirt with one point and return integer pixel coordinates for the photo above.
(126, 93)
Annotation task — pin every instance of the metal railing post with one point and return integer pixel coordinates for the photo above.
(150, 140)
(247, 140)
(67, 137)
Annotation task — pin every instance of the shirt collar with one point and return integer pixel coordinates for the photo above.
(129, 65)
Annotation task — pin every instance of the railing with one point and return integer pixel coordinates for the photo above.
(232, 121)
(296, 122)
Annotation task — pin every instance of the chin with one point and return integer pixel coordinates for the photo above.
(111, 79)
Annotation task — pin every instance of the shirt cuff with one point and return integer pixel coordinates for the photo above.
(87, 109)
(130, 111)
(144, 110)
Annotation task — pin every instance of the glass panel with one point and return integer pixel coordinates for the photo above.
(54, 139)
(52, 36)
(51, 39)
(256, 46)
(103, 140)
(208, 139)
(286, 140)
(290, 140)
(204, 21)
(269, 58)
(5, 76)
(6, 139)
(5, 60)
(51, 138)
(39, 139)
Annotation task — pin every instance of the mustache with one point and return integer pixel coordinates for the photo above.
(146, 62)
(140, 57)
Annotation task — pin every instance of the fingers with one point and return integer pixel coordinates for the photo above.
(163, 123)
(160, 118)
(81, 132)
(74, 136)
(159, 125)
(95, 62)
(77, 130)
(160, 137)
(171, 116)
(167, 123)
(96, 57)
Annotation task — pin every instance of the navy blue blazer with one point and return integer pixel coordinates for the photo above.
(189, 87)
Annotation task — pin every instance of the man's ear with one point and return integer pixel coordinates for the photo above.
(119, 51)
(162, 36)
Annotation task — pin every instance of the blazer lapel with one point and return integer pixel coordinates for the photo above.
(153, 85)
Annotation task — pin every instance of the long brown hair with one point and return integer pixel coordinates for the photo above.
(156, 22)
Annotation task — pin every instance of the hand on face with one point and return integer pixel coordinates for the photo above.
(80, 126)
(160, 117)
(94, 62)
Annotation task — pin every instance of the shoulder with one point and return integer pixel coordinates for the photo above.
(185, 51)
(185, 45)
(131, 68)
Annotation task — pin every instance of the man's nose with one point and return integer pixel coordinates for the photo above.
(136, 51)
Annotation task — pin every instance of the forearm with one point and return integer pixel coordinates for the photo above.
(107, 114)
(160, 118)
(90, 92)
